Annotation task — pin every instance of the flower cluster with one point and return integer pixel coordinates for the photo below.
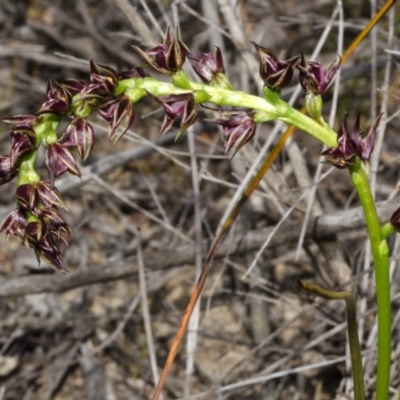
(36, 219)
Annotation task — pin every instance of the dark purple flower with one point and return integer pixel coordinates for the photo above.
(55, 222)
(117, 112)
(23, 137)
(44, 235)
(27, 197)
(7, 170)
(275, 73)
(14, 224)
(316, 78)
(352, 145)
(79, 134)
(42, 240)
(60, 160)
(364, 144)
(103, 81)
(166, 58)
(239, 128)
(49, 196)
(52, 256)
(175, 106)
(23, 140)
(207, 65)
(35, 232)
(58, 99)
(38, 197)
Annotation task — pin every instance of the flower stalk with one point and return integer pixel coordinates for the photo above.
(222, 97)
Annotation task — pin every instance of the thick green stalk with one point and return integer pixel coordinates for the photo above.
(380, 253)
(234, 98)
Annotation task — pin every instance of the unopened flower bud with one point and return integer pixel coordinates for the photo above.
(210, 68)
(275, 73)
(314, 107)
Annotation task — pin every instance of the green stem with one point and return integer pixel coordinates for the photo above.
(46, 128)
(355, 350)
(380, 253)
(235, 98)
(323, 133)
(27, 173)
